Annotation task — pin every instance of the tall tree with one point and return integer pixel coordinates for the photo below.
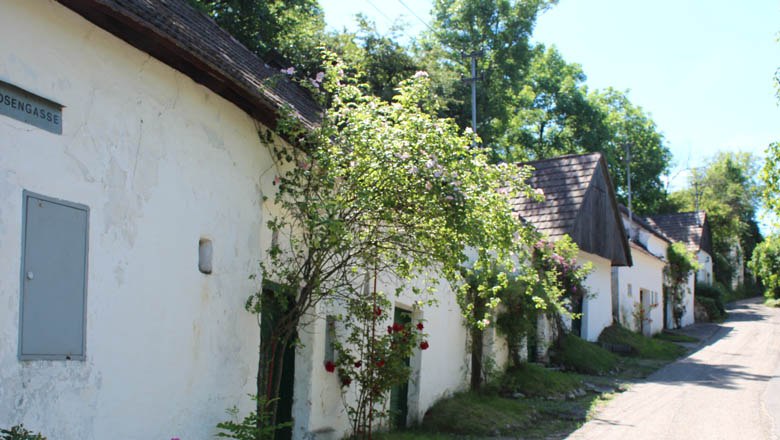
(728, 191)
(500, 30)
(629, 125)
(286, 33)
(380, 58)
(552, 113)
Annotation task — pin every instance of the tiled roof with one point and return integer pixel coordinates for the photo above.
(685, 227)
(191, 42)
(564, 181)
(646, 224)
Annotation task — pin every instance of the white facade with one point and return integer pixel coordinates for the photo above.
(597, 306)
(162, 162)
(638, 289)
(437, 372)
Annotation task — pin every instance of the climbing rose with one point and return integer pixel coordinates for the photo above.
(358, 364)
(420, 326)
(389, 330)
(397, 327)
(424, 345)
(330, 366)
(377, 311)
(346, 380)
(380, 363)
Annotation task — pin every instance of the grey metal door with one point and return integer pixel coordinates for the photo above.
(54, 279)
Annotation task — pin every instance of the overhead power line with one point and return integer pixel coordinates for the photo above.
(415, 15)
(389, 21)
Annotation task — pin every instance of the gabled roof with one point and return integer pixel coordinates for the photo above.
(691, 228)
(645, 224)
(189, 41)
(579, 201)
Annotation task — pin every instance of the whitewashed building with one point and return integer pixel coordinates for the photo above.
(692, 229)
(637, 291)
(133, 171)
(579, 201)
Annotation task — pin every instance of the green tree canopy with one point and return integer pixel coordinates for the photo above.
(288, 32)
(501, 31)
(628, 124)
(552, 113)
(728, 191)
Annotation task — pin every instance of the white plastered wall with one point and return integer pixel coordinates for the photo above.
(597, 306)
(646, 273)
(161, 162)
(437, 372)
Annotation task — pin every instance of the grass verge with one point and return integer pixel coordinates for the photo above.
(675, 337)
(479, 415)
(772, 302)
(556, 403)
(536, 381)
(582, 356)
(641, 346)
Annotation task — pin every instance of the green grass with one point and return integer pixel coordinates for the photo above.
(772, 302)
(675, 337)
(543, 413)
(537, 381)
(478, 415)
(582, 356)
(641, 346)
(412, 434)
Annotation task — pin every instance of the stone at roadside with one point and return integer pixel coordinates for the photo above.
(598, 389)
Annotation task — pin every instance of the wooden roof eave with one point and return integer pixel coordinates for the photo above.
(261, 104)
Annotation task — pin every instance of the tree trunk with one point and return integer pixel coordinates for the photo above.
(477, 345)
(476, 359)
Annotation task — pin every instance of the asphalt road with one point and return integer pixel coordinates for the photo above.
(729, 388)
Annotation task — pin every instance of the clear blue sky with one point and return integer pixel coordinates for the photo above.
(702, 68)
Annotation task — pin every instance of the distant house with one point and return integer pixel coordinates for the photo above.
(637, 291)
(693, 229)
(579, 201)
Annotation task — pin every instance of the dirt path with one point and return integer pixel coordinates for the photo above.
(728, 389)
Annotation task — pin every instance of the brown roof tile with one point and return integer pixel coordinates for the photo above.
(191, 42)
(685, 227)
(564, 181)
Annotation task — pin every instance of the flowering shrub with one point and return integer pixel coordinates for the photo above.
(374, 360)
(642, 314)
(388, 186)
(679, 265)
(552, 284)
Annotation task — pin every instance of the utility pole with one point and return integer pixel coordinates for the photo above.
(628, 178)
(473, 80)
(696, 194)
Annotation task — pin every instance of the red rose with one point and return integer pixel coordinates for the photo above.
(420, 326)
(358, 364)
(346, 380)
(424, 345)
(389, 330)
(380, 363)
(377, 311)
(397, 327)
(330, 366)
